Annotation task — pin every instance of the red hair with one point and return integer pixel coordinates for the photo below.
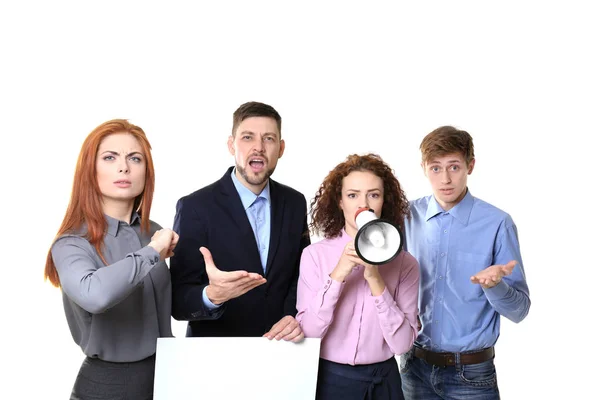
(85, 205)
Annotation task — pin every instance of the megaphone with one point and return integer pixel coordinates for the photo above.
(377, 241)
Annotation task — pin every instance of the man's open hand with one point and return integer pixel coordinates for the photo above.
(491, 276)
(223, 285)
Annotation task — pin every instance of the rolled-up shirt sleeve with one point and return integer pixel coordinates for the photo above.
(94, 287)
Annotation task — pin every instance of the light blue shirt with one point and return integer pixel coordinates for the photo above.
(451, 246)
(258, 210)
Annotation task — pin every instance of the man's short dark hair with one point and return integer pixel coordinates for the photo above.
(255, 109)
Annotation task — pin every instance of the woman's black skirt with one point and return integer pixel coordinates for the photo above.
(100, 380)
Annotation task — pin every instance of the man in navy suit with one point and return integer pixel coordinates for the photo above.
(235, 269)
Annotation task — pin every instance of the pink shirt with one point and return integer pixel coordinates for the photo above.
(355, 326)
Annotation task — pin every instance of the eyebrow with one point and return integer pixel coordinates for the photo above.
(449, 162)
(252, 133)
(369, 190)
(115, 153)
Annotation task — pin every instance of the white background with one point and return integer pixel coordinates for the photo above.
(521, 77)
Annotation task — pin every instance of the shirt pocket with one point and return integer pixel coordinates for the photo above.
(466, 265)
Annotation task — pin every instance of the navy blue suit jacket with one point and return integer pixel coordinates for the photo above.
(214, 217)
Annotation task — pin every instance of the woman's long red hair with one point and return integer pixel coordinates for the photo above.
(85, 205)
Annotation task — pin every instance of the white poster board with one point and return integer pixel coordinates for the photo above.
(235, 368)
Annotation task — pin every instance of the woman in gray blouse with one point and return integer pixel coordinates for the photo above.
(109, 259)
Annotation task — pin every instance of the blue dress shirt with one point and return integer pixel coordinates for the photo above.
(258, 210)
(451, 246)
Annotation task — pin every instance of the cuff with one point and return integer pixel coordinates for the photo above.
(382, 302)
(150, 254)
(209, 304)
(332, 287)
(497, 292)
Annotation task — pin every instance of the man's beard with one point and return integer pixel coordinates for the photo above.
(255, 179)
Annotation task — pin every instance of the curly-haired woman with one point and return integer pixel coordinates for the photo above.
(364, 313)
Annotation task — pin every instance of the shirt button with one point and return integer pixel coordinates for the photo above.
(436, 346)
(440, 277)
(445, 230)
(156, 259)
(440, 299)
(328, 280)
(376, 301)
(443, 254)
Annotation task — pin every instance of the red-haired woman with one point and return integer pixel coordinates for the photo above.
(108, 258)
(364, 314)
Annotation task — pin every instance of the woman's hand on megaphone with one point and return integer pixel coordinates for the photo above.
(348, 260)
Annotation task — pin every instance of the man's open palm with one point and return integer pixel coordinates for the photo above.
(224, 285)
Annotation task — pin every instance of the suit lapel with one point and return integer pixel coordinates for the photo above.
(277, 206)
(228, 199)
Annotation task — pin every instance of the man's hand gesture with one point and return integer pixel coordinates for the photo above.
(223, 285)
(491, 276)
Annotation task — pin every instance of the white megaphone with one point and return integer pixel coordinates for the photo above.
(377, 241)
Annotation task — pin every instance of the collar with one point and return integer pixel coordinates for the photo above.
(461, 211)
(246, 195)
(113, 224)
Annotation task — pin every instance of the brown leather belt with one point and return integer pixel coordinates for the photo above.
(449, 359)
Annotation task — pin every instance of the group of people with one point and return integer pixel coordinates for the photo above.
(242, 264)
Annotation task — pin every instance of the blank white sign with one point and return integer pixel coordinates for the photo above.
(235, 368)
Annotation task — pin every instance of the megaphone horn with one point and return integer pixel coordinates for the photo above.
(377, 241)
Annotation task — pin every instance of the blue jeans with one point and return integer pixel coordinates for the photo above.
(422, 381)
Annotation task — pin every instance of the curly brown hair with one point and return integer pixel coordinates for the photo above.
(326, 214)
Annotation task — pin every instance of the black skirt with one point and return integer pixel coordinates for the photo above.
(378, 381)
(99, 380)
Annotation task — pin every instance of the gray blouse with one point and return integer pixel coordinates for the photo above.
(117, 311)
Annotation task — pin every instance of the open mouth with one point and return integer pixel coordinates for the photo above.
(257, 164)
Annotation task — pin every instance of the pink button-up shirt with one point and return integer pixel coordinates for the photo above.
(355, 326)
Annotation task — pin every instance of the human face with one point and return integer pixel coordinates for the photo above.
(448, 178)
(360, 189)
(120, 168)
(256, 147)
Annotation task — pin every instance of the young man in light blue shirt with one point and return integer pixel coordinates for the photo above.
(471, 274)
